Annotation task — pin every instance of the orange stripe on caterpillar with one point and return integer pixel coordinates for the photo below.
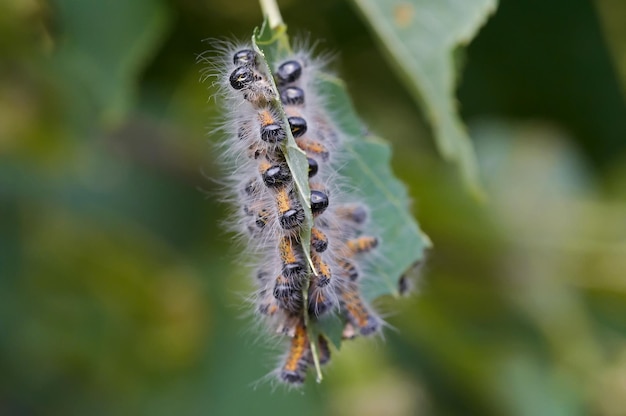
(297, 361)
(288, 285)
(356, 312)
(319, 241)
(313, 148)
(290, 213)
(271, 129)
(322, 268)
(348, 269)
(361, 244)
(291, 255)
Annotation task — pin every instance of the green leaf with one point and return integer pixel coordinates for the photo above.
(367, 168)
(332, 327)
(420, 37)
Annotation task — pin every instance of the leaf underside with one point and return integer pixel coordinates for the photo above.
(421, 37)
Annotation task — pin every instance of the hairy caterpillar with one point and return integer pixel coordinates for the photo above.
(303, 270)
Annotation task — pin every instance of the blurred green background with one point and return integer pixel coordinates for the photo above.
(119, 294)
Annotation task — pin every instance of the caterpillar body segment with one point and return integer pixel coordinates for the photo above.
(274, 174)
(319, 240)
(293, 263)
(360, 245)
(314, 149)
(356, 312)
(290, 212)
(288, 294)
(293, 370)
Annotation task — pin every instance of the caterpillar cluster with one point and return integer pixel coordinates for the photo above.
(270, 215)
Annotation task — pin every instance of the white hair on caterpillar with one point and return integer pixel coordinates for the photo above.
(268, 216)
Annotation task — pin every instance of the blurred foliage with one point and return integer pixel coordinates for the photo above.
(118, 290)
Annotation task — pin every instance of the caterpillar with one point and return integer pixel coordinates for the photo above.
(304, 268)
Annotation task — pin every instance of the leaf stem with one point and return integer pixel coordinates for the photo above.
(292, 152)
(312, 343)
(272, 12)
